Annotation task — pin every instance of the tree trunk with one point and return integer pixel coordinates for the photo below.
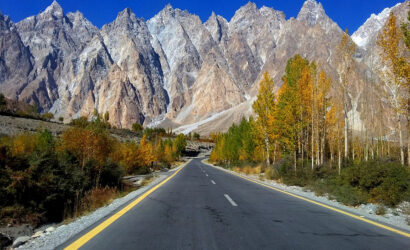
(302, 154)
(401, 143)
(318, 148)
(353, 149)
(294, 158)
(339, 158)
(267, 149)
(408, 148)
(366, 157)
(322, 150)
(346, 136)
(274, 152)
(331, 158)
(313, 146)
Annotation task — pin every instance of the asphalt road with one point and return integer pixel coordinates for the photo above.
(206, 208)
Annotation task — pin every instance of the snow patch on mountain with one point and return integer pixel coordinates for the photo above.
(370, 28)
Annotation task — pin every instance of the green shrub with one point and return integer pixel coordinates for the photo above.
(137, 127)
(80, 122)
(386, 182)
(349, 195)
(381, 210)
(111, 175)
(47, 116)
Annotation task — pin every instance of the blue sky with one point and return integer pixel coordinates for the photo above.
(348, 13)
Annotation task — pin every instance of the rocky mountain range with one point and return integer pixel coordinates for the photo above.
(172, 70)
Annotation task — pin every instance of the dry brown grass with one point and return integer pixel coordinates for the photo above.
(98, 197)
(271, 173)
(16, 215)
(249, 170)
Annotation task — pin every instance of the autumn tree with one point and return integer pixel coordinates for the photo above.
(180, 143)
(88, 144)
(264, 107)
(291, 114)
(335, 124)
(406, 35)
(345, 51)
(306, 93)
(322, 101)
(146, 152)
(395, 73)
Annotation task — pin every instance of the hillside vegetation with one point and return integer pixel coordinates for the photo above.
(47, 178)
(303, 136)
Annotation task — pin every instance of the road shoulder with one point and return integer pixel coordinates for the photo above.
(67, 232)
(397, 225)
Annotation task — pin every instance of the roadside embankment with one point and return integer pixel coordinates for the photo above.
(396, 217)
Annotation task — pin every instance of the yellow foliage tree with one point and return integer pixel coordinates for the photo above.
(146, 152)
(345, 51)
(395, 73)
(24, 144)
(335, 125)
(264, 107)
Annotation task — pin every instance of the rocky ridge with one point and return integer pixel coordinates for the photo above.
(172, 70)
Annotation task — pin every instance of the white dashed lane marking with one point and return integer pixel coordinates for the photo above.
(230, 200)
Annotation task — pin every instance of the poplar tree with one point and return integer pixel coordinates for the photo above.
(395, 73)
(264, 107)
(345, 51)
(289, 114)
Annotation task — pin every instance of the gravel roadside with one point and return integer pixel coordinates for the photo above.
(393, 217)
(62, 233)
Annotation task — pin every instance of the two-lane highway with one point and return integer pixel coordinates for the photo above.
(202, 207)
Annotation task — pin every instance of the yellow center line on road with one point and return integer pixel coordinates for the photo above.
(96, 230)
(318, 203)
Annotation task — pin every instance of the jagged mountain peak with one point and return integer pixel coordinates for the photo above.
(54, 9)
(172, 66)
(5, 22)
(373, 24)
(213, 15)
(249, 6)
(272, 13)
(128, 16)
(126, 21)
(217, 26)
(127, 12)
(168, 7)
(247, 10)
(168, 10)
(311, 12)
(215, 18)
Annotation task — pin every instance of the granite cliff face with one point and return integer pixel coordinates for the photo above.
(173, 69)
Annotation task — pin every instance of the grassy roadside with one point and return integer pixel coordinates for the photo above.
(98, 198)
(101, 197)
